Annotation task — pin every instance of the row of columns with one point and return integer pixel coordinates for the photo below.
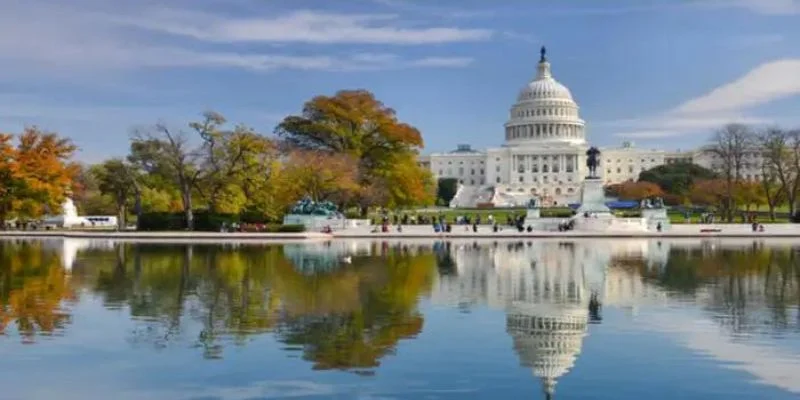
(544, 131)
(551, 163)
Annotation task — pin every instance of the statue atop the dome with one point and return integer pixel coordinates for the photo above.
(543, 53)
(592, 161)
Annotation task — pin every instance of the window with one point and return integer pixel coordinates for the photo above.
(558, 191)
(521, 179)
(497, 168)
(449, 162)
(630, 169)
(481, 170)
(544, 179)
(472, 171)
(535, 168)
(471, 181)
(619, 170)
(555, 168)
(569, 179)
(608, 171)
(544, 168)
(498, 179)
(570, 190)
(461, 171)
(440, 172)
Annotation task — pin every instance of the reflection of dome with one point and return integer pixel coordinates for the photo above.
(547, 339)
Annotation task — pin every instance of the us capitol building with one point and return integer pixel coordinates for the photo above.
(544, 154)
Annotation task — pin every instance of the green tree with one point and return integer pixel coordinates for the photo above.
(446, 189)
(168, 153)
(119, 181)
(676, 179)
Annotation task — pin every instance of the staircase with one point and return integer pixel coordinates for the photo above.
(471, 196)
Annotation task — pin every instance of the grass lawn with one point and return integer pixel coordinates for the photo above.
(500, 214)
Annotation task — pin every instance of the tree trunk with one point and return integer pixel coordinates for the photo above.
(187, 206)
(772, 212)
(122, 212)
(138, 207)
(364, 211)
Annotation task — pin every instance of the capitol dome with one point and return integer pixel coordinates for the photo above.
(545, 111)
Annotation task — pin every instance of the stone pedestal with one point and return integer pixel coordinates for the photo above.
(593, 197)
(533, 213)
(654, 216)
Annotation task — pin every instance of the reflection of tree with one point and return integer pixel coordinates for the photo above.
(739, 284)
(33, 289)
(224, 289)
(351, 318)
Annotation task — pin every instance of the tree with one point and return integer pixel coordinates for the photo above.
(730, 145)
(229, 157)
(119, 181)
(36, 175)
(354, 123)
(750, 194)
(446, 189)
(160, 150)
(781, 162)
(321, 176)
(676, 179)
(638, 190)
(710, 192)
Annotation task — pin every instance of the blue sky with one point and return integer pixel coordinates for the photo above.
(660, 73)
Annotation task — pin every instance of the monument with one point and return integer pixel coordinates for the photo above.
(314, 215)
(533, 211)
(654, 211)
(593, 197)
(69, 218)
(593, 214)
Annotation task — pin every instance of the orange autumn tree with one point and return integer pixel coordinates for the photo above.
(36, 174)
(637, 190)
(322, 176)
(354, 123)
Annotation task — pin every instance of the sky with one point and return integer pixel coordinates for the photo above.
(663, 74)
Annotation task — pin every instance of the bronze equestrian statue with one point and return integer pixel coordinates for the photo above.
(592, 161)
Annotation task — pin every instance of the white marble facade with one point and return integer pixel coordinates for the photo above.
(544, 153)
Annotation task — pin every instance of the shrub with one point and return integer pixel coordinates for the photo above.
(291, 228)
(161, 221)
(207, 222)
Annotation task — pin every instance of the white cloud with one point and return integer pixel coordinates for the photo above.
(725, 104)
(301, 27)
(46, 39)
(768, 82)
(764, 7)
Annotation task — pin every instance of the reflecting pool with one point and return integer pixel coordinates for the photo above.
(403, 319)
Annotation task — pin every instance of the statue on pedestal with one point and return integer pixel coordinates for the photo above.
(592, 161)
(533, 203)
(306, 206)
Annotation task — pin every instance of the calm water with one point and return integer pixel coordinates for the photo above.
(615, 319)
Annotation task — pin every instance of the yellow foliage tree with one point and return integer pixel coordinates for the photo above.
(36, 174)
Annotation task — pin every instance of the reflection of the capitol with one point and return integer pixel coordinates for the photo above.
(546, 289)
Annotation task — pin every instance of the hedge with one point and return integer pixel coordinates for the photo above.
(208, 222)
